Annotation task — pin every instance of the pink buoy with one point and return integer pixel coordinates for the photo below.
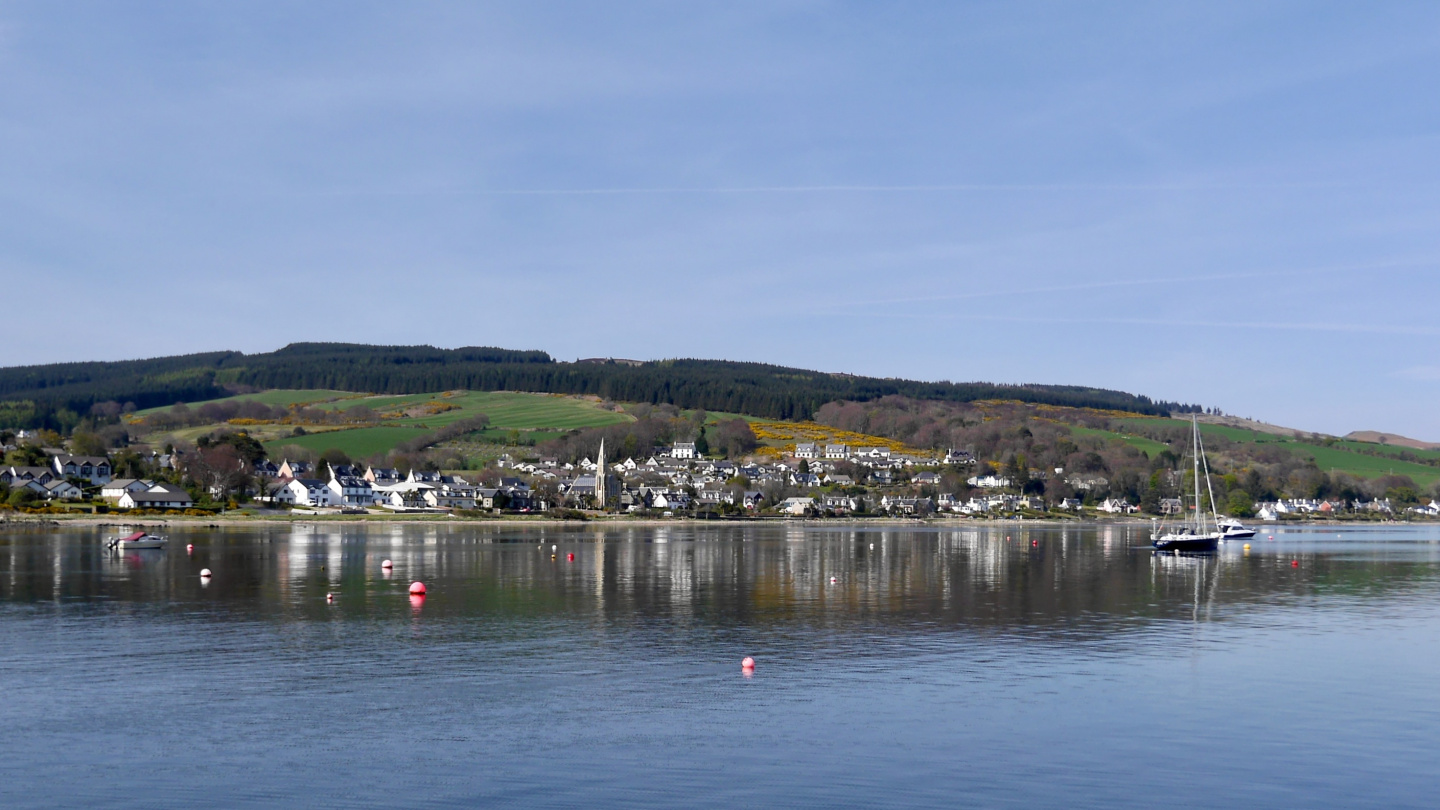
(387, 564)
(329, 597)
(417, 588)
(748, 663)
(189, 548)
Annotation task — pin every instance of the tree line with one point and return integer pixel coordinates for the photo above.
(52, 395)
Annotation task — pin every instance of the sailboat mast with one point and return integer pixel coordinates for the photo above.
(1195, 426)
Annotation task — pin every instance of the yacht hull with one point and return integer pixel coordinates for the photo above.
(1193, 544)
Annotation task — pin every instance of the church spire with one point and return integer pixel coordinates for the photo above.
(600, 477)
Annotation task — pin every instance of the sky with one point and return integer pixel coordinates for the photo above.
(1231, 204)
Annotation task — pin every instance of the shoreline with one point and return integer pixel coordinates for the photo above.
(218, 521)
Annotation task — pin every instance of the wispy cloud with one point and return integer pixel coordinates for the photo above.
(1031, 291)
(1425, 373)
(1289, 326)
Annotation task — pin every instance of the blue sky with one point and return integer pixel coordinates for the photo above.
(1232, 204)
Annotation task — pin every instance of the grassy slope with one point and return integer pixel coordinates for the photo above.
(269, 398)
(357, 443)
(546, 414)
(1339, 457)
(1148, 446)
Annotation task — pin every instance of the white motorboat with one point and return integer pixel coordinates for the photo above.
(1232, 529)
(136, 541)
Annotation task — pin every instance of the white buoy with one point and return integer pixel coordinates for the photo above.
(834, 580)
(553, 546)
(204, 573)
(329, 597)
(387, 564)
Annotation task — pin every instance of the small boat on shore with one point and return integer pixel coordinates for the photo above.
(137, 540)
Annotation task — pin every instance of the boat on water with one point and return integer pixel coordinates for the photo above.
(1196, 537)
(1233, 529)
(136, 541)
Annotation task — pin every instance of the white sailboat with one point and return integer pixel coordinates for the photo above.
(1196, 536)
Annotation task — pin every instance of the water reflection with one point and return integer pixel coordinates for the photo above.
(1079, 579)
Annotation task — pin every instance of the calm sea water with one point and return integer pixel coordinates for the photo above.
(945, 667)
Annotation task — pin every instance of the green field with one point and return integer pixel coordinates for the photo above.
(1148, 446)
(269, 398)
(1340, 460)
(357, 443)
(1340, 456)
(540, 416)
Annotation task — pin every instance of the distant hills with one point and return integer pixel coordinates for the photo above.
(1392, 439)
(49, 395)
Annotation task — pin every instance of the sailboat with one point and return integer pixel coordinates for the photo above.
(1196, 537)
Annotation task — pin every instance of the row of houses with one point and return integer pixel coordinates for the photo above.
(347, 487)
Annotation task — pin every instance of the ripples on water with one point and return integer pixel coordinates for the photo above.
(972, 666)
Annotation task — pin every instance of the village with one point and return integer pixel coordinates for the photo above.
(807, 481)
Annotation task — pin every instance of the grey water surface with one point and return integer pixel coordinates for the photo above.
(944, 667)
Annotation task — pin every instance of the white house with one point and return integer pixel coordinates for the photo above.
(95, 469)
(837, 451)
(119, 486)
(807, 450)
(683, 450)
(60, 489)
(311, 492)
(959, 457)
(1117, 506)
(448, 498)
(988, 481)
(796, 506)
(156, 498)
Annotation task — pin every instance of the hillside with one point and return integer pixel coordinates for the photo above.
(1393, 439)
(54, 395)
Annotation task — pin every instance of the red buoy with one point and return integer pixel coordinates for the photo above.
(1294, 563)
(417, 588)
(1034, 543)
(748, 663)
(569, 558)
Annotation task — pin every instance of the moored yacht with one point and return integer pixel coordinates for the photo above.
(1196, 537)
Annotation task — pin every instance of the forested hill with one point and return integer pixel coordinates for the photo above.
(39, 394)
